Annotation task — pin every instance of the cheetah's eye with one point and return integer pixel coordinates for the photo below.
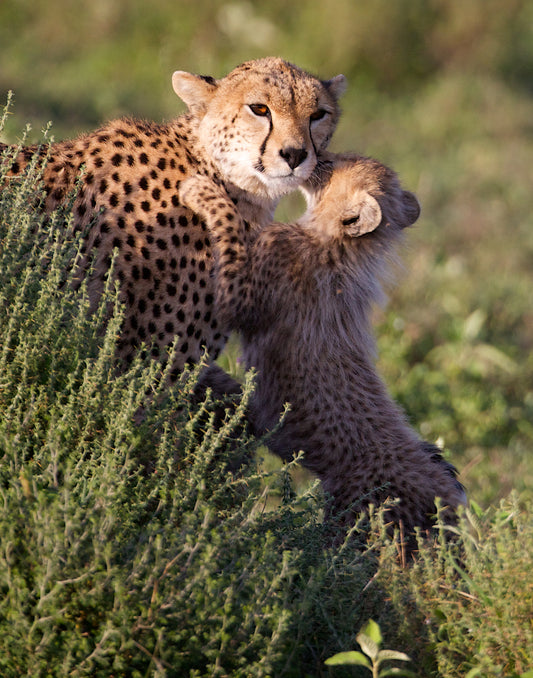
(260, 110)
(351, 220)
(317, 115)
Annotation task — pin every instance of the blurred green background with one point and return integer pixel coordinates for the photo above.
(442, 90)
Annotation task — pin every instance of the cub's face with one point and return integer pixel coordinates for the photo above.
(350, 195)
(264, 123)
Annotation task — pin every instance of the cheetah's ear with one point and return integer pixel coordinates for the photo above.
(411, 209)
(195, 90)
(337, 86)
(365, 217)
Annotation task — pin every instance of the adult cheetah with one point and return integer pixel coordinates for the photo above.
(301, 295)
(257, 130)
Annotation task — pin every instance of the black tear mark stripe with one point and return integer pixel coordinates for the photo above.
(312, 140)
(262, 148)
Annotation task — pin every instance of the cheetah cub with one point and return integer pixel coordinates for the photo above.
(301, 296)
(257, 131)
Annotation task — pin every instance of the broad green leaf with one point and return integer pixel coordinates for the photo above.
(352, 657)
(527, 674)
(397, 672)
(373, 631)
(393, 654)
(369, 646)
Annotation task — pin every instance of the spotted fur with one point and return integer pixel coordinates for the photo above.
(301, 296)
(257, 130)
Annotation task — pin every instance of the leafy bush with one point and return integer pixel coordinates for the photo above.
(475, 596)
(120, 548)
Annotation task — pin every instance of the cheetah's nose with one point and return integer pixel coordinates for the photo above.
(293, 156)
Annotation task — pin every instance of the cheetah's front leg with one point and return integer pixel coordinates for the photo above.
(211, 202)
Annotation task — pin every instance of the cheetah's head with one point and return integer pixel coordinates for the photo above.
(263, 124)
(350, 195)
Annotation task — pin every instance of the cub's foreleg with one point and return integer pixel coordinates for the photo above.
(232, 266)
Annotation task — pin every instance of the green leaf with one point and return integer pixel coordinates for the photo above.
(439, 614)
(473, 672)
(397, 672)
(527, 674)
(476, 508)
(369, 646)
(393, 654)
(373, 631)
(353, 657)
(473, 586)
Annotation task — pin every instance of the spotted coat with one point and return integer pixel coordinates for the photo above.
(257, 130)
(301, 297)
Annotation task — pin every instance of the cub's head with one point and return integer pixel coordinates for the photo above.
(263, 123)
(350, 196)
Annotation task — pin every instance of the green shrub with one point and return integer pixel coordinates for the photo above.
(474, 596)
(120, 548)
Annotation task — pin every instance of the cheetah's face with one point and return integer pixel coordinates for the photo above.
(264, 123)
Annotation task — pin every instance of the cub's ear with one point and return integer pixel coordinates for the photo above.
(366, 215)
(410, 211)
(195, 90)
(337, 86)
